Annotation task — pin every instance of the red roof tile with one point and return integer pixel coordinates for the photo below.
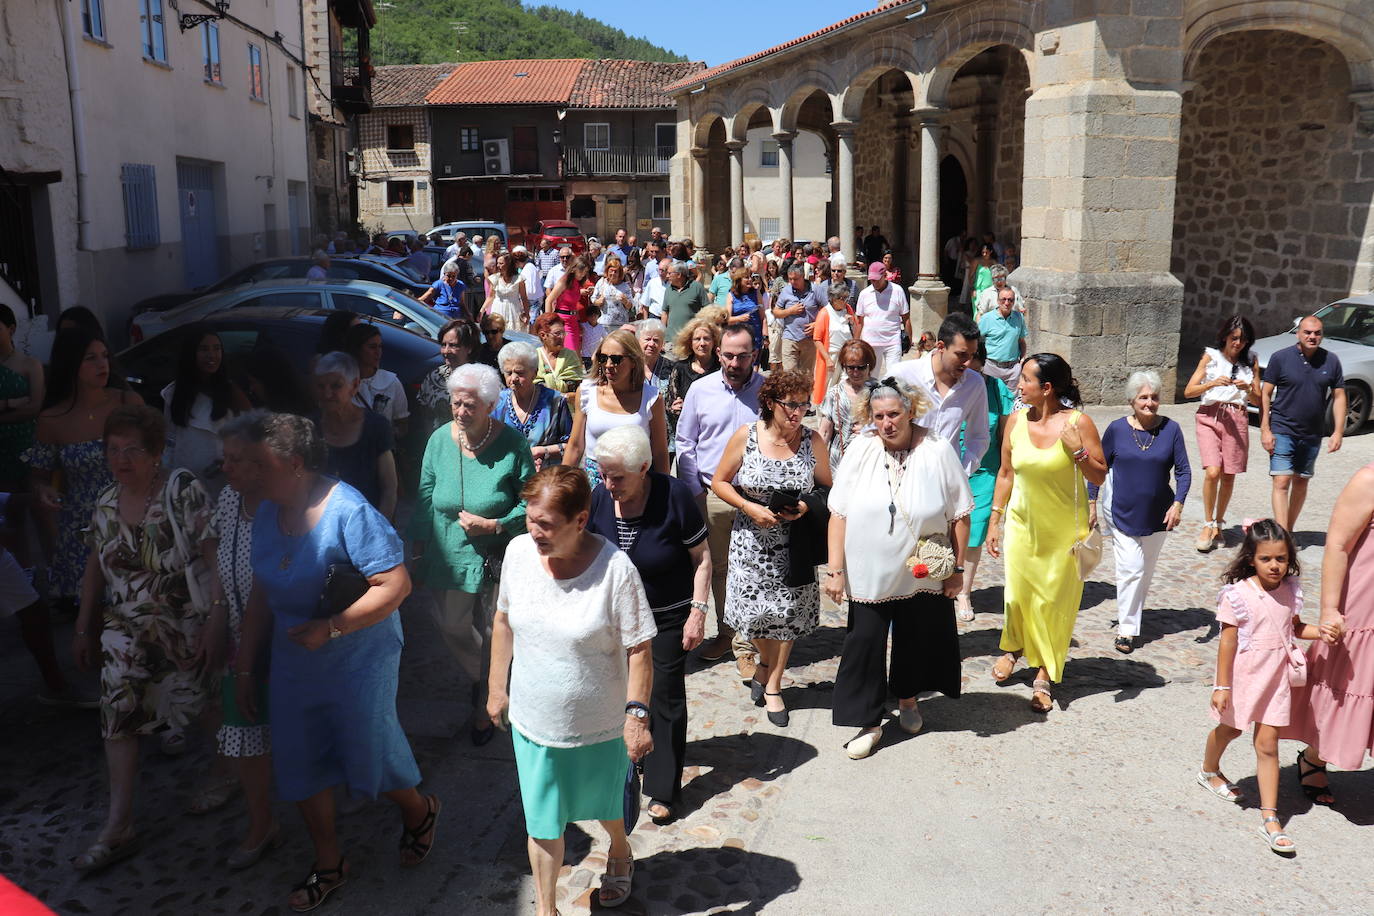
(508, 82)
(697, 78)
(406, 84)
(629, 83)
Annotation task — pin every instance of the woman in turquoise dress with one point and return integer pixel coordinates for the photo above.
(333, 675)
(983, 481)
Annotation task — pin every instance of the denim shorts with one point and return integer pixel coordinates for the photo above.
(1293, 455)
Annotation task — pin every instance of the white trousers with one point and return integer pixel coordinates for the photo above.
(1008, 374)
(888, 358)
(1135, 567)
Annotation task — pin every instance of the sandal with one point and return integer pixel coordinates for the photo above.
(666, 817)
(1229, 791)
(1205, 542)
(1314, 793)
(618, 885)
(213, 797)
(1040, 689)
(1272, 838)
(102, 854)
(319, 884)
(1124, 644)
(173, 743)
(963, 607)
(999, 673)
(413, 848)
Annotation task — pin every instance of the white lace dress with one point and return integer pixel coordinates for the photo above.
(758, 602)
(505, 301)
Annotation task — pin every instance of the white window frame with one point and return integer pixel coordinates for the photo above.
(257, 77)
(153, 26)
(589, 141)
(209, 52)
(770, 227)
(93, 19)
(768, 149)
(661, 212)
(293, 103)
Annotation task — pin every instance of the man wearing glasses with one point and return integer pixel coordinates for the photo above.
(651, 298)
(716, 405)
(565, 256)
(1004, 333)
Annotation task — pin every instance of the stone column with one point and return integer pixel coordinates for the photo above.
(929, 295)
(699, 194)
(984, 158)
(844, 165)
(736, 233)
(785, 138)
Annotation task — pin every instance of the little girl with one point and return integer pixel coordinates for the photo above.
(592, 333)
(1258, 611)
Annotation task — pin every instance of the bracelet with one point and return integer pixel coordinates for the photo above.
(834, 572)
(1000, 510)
(1079, 455)
(80, 632)
(243, 674)
(1219, 687)
(699, 606)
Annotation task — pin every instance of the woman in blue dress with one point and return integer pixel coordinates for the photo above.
(532, 409)
(333, 675)
(746, 304)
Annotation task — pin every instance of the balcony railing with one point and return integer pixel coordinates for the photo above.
(617, 160)
(351, 78)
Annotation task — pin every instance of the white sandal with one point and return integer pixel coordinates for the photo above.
(618, 885)
(963, 607)
(1273, 838)
(1205, 544)
(1229, 792)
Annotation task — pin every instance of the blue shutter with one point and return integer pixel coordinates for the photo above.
(140, 206)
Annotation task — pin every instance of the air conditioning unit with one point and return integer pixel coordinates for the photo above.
(496, 157)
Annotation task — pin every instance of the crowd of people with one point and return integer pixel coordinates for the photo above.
(236, 567)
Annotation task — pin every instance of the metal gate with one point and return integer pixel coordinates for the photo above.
(199, 235)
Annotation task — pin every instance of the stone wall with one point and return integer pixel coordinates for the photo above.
(1270, 210)
(876, 147)
(1005, 202)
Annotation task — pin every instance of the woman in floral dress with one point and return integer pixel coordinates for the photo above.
(67, 463)
(458, 344)
(155, 643)
(776, 453)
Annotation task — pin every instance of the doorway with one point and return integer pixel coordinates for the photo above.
(199, 233)
(953, 218)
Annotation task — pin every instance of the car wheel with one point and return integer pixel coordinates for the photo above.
(1357, 405)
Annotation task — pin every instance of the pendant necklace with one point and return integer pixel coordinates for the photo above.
(1149, 438)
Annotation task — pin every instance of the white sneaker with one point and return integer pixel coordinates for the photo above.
(911, 720)
(863, 745)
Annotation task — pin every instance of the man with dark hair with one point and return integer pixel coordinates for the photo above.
(874, 246)
(957, 394)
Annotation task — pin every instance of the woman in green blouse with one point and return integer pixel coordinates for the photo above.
(467, 509)
(559, 368)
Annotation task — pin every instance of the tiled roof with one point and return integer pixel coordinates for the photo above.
(629, 83)
(406, 84)
(697, 78)
(508, 82)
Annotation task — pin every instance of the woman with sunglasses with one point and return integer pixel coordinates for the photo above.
(616, 394)
(838, 423)
(767, 467)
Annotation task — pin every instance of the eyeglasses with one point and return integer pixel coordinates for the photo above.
(132, 451)
(861, 367)
(611, 358)
(565, 257)
(793, 405)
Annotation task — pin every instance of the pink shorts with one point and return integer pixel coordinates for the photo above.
(1223, 437)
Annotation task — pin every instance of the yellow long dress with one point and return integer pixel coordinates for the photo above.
(1043, 590)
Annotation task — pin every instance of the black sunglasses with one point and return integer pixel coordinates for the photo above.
(612, 358)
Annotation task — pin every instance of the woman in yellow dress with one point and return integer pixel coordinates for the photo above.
(1047, 453)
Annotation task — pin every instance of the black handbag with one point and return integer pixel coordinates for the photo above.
(343, 586)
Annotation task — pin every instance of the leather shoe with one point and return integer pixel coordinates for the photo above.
(714, 649)
(242, 858)
(747, 667)
(779, 718)
(756, 692)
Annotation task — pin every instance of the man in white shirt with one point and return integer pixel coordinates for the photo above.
(459, 241)
(837, 258)
(418, 260)
(883, 314)
(651, 299)
(987, 299)
(534, 287)
(565, 259)
(320, 269)
(957, 394)
(546, 259)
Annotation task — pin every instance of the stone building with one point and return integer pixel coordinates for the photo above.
(394, 189)
(1161, 164)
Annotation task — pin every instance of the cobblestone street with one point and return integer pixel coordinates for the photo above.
(991, 809)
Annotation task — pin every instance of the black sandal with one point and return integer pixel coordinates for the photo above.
(410, 839)
(1124, 644)
(666, 806)
(1313, 793)
(319, 884)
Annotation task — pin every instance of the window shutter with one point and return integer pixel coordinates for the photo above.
(140, 206)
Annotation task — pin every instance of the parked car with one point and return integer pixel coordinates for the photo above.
(559, 232)
(370, 299)
(482, 227)
(1348, 326)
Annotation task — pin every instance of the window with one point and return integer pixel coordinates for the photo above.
(140, 205)
(293, 104)
(209, 47)
(292, 300)
(93, 18)
(400, 136)
(769, 228)
(154, 32)
(400, 193)
(467, 140)
(768, 154)
(596, 136)
(582, 208)
(663, 207)
(255, 84)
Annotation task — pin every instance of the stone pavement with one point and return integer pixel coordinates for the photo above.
(991, 808)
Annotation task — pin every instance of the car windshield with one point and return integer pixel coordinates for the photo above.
(561, 232)
(1349, 322)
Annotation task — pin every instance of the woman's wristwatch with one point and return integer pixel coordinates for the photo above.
(638, 710)
(700, 606)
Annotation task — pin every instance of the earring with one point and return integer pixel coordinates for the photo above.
(299, 475)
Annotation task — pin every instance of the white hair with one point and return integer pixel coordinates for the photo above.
(450, 267)
(340, 364)
(1143, 378)
(627, 445)
(648, 326)
(477, 378)
(520, 352)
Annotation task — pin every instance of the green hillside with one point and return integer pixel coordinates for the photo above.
(438, 31)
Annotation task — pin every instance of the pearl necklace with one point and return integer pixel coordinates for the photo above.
(463, 438)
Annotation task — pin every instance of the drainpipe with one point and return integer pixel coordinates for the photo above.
(83, 223)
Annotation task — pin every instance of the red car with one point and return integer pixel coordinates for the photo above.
(559, 232)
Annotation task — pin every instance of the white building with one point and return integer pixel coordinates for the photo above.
(810, 181)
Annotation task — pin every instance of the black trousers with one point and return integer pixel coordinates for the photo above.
(668, 709)
(925, 656)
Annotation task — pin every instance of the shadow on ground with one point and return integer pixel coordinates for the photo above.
(694, 880)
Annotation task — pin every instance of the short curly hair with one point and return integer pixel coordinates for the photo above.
(782, 386)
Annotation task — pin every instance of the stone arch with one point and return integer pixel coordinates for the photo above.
(802, 88)
(746, 101)
(1340, 25)
(965, 36)
(704, 118)
(870, 60)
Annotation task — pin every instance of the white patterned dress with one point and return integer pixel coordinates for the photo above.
(758, 602)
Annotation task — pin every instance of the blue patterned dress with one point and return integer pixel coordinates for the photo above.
(85, 474)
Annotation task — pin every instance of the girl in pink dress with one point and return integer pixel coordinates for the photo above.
(1258, 611)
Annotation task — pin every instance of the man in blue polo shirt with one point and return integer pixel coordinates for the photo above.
(1297, 383)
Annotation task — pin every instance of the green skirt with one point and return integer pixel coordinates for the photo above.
(559, 785)
(982, 484)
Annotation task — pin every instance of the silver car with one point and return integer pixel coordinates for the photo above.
(1348, 327)
(362, 296)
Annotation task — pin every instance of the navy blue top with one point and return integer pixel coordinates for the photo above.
(1140, 479)
(1301, 389)
(670, 525)
(356, 464)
